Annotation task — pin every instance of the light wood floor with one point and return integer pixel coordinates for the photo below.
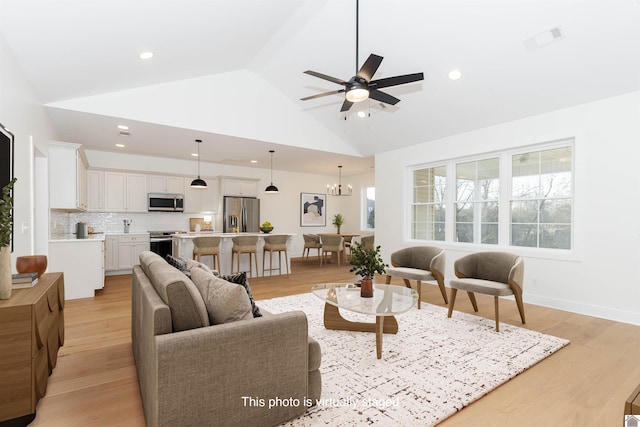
(584, 384)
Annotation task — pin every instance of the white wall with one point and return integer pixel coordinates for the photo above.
(22, 113)
(281, 209)
(599, 277)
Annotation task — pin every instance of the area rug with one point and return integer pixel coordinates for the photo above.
(433, 367)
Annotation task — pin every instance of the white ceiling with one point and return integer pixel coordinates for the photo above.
(81, 57)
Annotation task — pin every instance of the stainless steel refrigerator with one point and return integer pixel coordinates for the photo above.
(241, 214)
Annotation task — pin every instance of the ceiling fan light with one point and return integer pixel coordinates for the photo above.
(357, 94)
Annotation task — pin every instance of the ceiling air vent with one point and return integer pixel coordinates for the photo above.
(124, 133)
(543, 39)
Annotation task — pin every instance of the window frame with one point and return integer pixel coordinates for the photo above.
(364, 209)
(504, 202)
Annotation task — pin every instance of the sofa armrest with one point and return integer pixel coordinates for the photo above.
(234, 374)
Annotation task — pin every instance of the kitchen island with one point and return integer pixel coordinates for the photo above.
(81, 261)
(182, 247)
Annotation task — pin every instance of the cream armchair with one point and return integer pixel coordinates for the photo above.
(490, 273)
(419, 263)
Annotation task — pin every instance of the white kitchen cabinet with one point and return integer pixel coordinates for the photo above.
(82, 262)
(95, 191)
(239, 187)
(165, 184)
(202, 200)
(125, 192)
(111, 253)
(129, 248)
(67, 176)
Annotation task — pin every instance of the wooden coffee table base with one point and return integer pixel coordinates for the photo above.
(384, 324)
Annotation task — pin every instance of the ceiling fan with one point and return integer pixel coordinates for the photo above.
(361, 86)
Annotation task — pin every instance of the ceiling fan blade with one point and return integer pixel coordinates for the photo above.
(345, 106)
(383, 97)
(322, 94)
(370, 67)
(396, 80)
(325, 77)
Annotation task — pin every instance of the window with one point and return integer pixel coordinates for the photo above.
(520, 198)
(428, 207)
(541, 199)
(477, 195)
(369, 208)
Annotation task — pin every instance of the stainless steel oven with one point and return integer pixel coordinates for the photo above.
(160, 242)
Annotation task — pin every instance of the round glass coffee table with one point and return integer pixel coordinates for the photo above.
(387, 301)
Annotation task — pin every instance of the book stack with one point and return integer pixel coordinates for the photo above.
(24, 280)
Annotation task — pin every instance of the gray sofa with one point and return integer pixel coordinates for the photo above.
(192, 373)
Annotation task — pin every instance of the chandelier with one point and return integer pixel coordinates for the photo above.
(336, 189)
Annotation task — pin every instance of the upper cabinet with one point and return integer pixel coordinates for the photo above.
(203, 200)
(67, 176)
(125, 192)
(95, 191)
(165, 184)
(239, 187)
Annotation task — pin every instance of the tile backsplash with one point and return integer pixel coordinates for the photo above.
(61, 223)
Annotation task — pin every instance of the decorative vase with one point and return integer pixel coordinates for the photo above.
(366, 287)
(5, 273)
(32, 264)
(338, 230)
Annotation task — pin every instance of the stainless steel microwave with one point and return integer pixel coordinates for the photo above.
(161, 202)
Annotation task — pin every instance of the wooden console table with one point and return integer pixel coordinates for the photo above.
(31, 332)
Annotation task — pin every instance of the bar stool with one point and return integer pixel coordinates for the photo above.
(275, 244)
(207, 246)
(245, 245)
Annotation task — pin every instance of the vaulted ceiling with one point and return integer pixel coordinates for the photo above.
(230, 72)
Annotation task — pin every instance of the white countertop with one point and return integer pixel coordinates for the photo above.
(191, 235)
(72, 238)
(90, 237)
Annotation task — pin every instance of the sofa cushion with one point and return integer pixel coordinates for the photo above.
(177, 291)
(241, 279)
(225, 302)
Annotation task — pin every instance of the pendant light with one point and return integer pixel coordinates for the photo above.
(198, 182)
(271, 188)
(336, 189)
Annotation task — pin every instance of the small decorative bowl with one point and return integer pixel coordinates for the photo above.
(266, 229)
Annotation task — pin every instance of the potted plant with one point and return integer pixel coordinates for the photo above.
(366, 263)
(6, 226)
(338, 220)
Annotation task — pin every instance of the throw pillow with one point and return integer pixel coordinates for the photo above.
(193, 263)
(178, 263)
(241, 279)
(225, 302)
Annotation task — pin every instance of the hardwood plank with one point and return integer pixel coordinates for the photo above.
(586, 383)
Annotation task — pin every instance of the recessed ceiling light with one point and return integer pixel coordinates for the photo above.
(254, 161)
(120, 145)
(123, 127)
(455, 75)
(194, 154)
(146, 55)
(361, 114)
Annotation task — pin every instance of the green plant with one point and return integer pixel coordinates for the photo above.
(6, 214)
(366, 262)
(338, 220)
